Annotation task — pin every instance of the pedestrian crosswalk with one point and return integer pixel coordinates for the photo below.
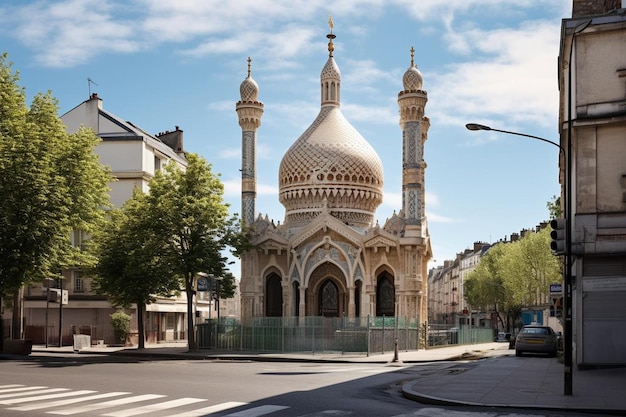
(67, 402)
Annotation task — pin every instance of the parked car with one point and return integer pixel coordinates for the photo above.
(536, 339)
(502, 337)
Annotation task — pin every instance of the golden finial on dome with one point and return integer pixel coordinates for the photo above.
(412, 56)
(249, 66)
(331, 46)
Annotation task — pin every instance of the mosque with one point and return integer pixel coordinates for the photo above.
(329, 257)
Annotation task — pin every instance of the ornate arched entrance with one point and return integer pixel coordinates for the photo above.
(327, 292)
(328, 299)
(273, 296)
(385, 295)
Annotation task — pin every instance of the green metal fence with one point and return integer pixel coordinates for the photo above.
(311, 334)
(444, 334)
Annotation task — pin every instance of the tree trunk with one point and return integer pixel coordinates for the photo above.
(1, 327)
(16, 321)
(191, 339)
(141, 334)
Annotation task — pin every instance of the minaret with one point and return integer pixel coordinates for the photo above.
(414, 125)
(249, 110)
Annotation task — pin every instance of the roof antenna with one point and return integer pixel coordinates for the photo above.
(89, 82)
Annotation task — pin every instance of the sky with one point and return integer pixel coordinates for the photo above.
(161, 64)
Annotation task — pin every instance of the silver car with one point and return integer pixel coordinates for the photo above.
(536, 339)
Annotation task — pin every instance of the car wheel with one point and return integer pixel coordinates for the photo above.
(518, 352)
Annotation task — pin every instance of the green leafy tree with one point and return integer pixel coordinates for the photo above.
(512, 276)
(554, 207)
(227, 286)
(531, 268)
(51, 182)
(193, 218)
(130, 267)
(485, 287)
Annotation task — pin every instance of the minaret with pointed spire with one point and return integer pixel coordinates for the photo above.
(249, 109)
(412, 102)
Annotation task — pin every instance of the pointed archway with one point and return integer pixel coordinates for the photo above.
(328, 299)
(385, 295)
(327, 293)
(273, 296)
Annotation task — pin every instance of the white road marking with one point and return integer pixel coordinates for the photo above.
(26, 393)
(106, 404)
(59, 403)
(155, 407)
(45, 397)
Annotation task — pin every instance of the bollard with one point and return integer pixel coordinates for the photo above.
(395, 350)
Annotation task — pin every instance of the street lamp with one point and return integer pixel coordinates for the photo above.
(476, 126)
(567, 272)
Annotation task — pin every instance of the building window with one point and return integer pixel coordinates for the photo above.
(79, 284)
(77, 239)
(157, 163)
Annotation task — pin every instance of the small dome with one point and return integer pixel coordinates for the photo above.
(249, 89)
(412, 79)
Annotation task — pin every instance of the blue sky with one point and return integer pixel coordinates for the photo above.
(161, 64)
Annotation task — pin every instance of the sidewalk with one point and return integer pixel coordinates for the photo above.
(486, 374)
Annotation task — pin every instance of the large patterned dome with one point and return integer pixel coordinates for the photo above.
(331, 166)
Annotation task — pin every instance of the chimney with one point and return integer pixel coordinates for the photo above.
(173, 139)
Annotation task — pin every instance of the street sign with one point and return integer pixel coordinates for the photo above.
(203, 284)
(556, 288)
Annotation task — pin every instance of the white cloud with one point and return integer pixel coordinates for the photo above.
(510, 79)
(71, 33)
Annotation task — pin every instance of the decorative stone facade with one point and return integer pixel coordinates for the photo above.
(330, 257)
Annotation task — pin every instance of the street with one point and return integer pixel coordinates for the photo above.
(117, 386)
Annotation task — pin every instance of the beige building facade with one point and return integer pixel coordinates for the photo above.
(329, 257)
(592, 80)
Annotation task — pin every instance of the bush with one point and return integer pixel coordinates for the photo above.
(121, 326)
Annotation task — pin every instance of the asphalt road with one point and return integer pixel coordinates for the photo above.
(124, 387)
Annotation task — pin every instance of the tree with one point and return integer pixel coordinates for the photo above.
(513, 275)
(50, 182)
(189, 212)
(531, 268)
(554, 207)
(130, 267)
(485, 287)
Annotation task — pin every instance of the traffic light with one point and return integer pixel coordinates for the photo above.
(558, 236)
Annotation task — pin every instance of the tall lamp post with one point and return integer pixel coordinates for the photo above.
(567, 271)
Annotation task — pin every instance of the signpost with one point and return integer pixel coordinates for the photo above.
(556, 293)
(556, 289)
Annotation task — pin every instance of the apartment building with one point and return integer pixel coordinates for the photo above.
(592, 123)
(134, 156)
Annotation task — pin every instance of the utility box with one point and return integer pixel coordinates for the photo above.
(81, 341)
